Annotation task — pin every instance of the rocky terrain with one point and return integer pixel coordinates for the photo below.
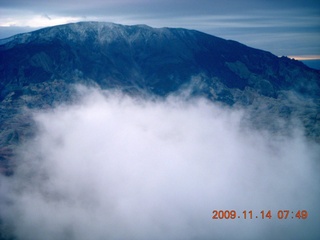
(39, 70)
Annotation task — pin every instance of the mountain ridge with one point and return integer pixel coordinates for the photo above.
(97, 36)
(38, 68)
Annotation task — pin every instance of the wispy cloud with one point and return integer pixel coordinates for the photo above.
(306, 57)
(37, 21)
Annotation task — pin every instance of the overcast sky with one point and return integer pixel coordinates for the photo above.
(286, 27)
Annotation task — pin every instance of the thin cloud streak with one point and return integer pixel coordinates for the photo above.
(38, 21)
(306, 57)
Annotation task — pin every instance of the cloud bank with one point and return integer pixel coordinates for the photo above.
(117, 167)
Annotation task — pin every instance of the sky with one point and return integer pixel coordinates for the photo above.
(111, 166)
(285, 28)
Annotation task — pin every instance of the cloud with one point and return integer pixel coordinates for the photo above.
(37, 21)
(113, 166)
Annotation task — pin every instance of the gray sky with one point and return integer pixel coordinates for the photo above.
(287, 27)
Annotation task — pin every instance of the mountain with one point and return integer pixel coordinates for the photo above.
(38, 70)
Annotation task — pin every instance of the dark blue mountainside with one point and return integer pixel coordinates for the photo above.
(38, 68)
(159, 60)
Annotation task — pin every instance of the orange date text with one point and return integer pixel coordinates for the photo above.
(268, 214)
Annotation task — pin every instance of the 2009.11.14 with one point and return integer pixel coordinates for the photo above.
(281, 214)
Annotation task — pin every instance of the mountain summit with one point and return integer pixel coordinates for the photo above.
(160, 60)
(38, 68)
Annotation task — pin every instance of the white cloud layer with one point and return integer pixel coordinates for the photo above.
(117, 167)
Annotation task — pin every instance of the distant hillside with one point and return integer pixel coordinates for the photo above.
(38, 68)
(315, 64)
